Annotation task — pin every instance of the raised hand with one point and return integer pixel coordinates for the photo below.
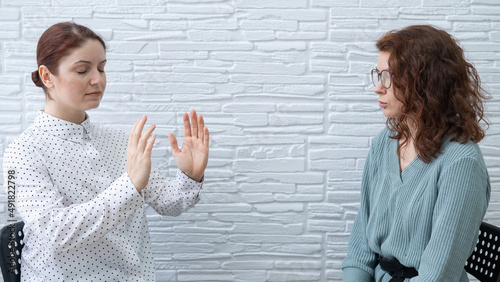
(139, 153)
(192, 158)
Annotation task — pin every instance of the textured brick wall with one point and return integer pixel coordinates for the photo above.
(285, 91)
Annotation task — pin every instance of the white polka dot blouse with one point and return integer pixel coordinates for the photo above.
(84, 219)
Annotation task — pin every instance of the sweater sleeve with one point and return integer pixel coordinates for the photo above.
(360, 262)
(463, 196)
(40, 203)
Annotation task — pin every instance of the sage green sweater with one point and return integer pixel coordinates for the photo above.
(427, 216)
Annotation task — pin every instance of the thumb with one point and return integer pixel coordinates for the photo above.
(173, 144)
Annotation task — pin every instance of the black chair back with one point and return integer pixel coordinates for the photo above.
(11, 245)
(484, 262)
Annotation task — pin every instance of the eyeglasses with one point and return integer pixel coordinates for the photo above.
(384, 75)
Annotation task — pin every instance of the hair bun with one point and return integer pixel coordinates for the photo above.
(35, 76)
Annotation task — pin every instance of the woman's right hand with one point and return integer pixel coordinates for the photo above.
(139, 153)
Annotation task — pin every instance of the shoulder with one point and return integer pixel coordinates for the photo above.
(381, 137)
(461, 159)
(463, 164)
(28, 138)
(380, 151)
(381, 141)
(452, 150)
(23, 147)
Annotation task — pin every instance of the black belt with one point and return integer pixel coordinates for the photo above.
(398, 271)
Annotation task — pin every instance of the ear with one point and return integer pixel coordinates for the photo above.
(46, 76)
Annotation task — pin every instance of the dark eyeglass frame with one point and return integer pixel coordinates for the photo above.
(379, 75)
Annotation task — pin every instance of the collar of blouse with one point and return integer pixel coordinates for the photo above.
(64, 129)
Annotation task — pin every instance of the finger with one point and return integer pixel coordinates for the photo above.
(150, 130)
(131, 144)
(138, 132)
(187, 126)
(139, 127)
(201, 127)
(133, 128)
(194, 124)
(149, 146)
(173, 144)
(144, 138)
(206, 136)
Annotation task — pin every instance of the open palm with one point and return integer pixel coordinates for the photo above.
(192, 158)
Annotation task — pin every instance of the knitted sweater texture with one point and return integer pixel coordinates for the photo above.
(426, 216)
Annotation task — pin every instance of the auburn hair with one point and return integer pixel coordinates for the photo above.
(57, 42)
(440, 90)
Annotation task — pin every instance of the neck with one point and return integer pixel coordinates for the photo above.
(74, 116)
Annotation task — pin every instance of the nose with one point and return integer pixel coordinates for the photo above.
(379, 89)
(97, 78)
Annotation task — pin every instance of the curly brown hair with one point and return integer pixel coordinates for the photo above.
(441, 92)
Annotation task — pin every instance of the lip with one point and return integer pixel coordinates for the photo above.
(95, 93)
(382, 104)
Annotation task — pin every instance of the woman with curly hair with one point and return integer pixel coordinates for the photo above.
(425, 186)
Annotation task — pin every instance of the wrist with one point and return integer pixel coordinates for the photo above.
(197, 178)
(137, 186)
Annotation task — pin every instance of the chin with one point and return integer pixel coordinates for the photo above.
(92, 106)
(389, 114)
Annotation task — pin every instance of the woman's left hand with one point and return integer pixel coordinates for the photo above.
(192, 158)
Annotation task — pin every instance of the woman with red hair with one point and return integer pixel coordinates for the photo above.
(81, 188)
(425, 186)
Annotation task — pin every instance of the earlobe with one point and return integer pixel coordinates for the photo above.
(46, 76)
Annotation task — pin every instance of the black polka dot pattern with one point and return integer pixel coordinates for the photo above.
(84, 219)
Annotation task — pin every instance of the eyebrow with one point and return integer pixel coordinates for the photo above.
(87, 62)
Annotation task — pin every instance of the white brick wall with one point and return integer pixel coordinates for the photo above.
(285, 91)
